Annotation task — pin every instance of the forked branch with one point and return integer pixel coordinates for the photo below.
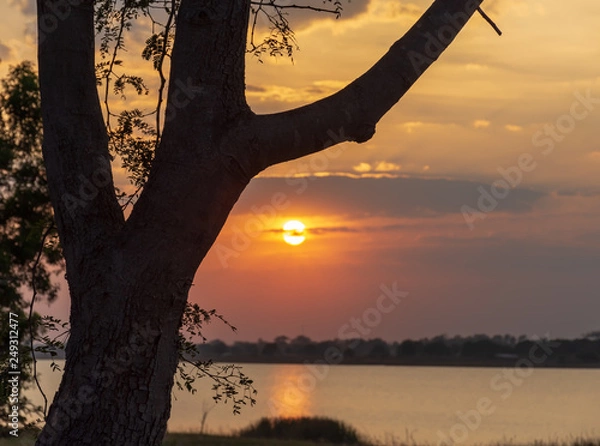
(352, 113)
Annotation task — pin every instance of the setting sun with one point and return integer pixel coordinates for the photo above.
(293, 232)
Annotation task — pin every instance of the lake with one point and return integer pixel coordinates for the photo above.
(426, 404)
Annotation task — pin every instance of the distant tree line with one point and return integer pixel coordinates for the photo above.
(476, 350)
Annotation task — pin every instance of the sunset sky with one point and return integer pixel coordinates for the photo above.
(414, 206)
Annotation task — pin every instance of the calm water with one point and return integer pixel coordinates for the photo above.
(468, 405)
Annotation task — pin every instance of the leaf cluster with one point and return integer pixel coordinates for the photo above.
(281, 41)
(25, 209)
(29, 249)
(229, 382)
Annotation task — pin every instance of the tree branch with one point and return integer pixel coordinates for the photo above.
(352, 113)
(490, 21)
(75, 142)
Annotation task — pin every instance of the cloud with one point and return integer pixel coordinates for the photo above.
(362, 167)
(5, 51)
(513, 128)
(27, 7)
(481, 124)
(592, 191)
(594, 155)
(278, 94)
(324, 230)
(410, 127)
(508, 256)
(301, 18)
(384, 166)
(385, 197)
(380, 166)
(520, 8)
(255, 89)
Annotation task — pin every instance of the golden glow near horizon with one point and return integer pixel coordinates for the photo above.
(293, 232)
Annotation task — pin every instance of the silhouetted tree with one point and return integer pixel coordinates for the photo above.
(408, 348)
(270, 349)
(129, 278)
(593, 335)
(436, 348)
(28, 244)
(482, 348)
(379, 349)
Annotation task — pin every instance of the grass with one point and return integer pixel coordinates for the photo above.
(215, 440)
(174, 439)
(300, 432)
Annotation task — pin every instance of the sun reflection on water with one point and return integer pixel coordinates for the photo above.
(289, 397)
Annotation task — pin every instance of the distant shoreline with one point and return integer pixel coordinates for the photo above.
(492, 363)
(474, 351)
(500, 363)
(440, 351)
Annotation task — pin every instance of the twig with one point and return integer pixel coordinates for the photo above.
(490, 21)
(30, 319)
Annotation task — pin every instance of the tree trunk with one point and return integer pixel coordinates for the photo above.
(117, 382)
(122, 352)
(129, 280)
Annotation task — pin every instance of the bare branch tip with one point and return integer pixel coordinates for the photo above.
(489, 20)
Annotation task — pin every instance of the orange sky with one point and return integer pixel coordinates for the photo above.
(524, 107)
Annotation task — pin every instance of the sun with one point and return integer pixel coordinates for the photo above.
(293, 232)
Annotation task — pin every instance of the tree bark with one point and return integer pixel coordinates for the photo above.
(129, 280)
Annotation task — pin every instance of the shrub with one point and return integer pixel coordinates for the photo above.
(316, 429)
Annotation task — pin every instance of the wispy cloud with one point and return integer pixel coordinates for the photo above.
(384, 197)
(27, 7)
